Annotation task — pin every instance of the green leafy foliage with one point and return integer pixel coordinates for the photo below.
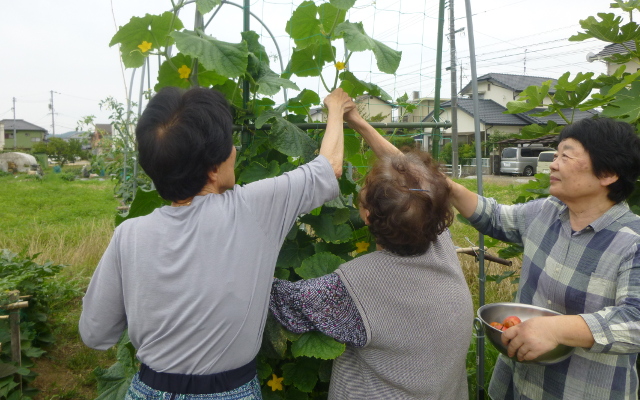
(144, 203)
(153, 29)
(356, 39)
(21, 272)
(226, 59)
(114, 382)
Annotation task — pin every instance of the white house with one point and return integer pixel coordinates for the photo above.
(616, 48)
(494, 92)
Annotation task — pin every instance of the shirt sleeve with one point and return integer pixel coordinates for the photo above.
(616, 330)
(321, 304)
(103, 317)
(504, 222)
(277, 202)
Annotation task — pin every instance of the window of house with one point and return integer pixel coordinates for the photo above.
(36, 139)
(8, 135)
(488, 87)
(27, 134)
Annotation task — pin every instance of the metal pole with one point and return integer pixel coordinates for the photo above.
(454, 95)
(245, 136)
(15, 141)
(436, 103)
(53, 122)
(481, 273)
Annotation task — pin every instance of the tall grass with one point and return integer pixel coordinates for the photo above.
(67, 222)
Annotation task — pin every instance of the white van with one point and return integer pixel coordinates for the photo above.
(521, 160)
(544, 161)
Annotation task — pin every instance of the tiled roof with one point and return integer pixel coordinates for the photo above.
(577, 116)
(21, 125)
(517, 83)
(616, 48)
(491, 113)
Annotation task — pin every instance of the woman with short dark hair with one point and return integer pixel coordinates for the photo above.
(191, 281)
(404, 311)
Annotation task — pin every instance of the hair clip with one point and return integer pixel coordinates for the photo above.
(420, 190)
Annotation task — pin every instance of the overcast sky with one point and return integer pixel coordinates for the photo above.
(63, 46)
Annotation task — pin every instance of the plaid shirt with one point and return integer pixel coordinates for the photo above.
(594, 273)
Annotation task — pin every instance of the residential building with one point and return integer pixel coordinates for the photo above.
(26, 134)
(424, 107)
(494, 92)
(374, 108)
(101, 132)
(370, 107)
(616, 48)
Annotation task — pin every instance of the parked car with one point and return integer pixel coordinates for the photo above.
(544, 160)
(521, 160)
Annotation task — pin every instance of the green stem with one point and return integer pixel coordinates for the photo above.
(559, 112)
(322, 78)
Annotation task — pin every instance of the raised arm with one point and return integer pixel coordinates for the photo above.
(332, 147)
(380, 146)
(463, 199)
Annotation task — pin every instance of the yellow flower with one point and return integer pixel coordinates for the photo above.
(184, 72)
(145, 46)
(275, 383)
(362, 246)
(339, 65)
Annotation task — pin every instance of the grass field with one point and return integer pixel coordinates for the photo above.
(71, 223)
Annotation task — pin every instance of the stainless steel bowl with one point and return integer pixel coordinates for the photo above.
(497, 312)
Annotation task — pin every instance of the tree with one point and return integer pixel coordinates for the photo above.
(60, 150)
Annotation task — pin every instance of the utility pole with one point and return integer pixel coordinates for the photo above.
(454, 95)
(15, 142)
(53, 122)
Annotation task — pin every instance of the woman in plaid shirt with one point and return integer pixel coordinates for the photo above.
(581, 258)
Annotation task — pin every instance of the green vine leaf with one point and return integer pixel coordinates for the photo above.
(304, 26)
(204, 6)
(144, 203)
(303, 374)
(274, 339)
(170, 76)
(256, 171)
(291, 140)
(330, 17)
(303, 102)
(626, 6)
(293, 253)
(355, 87)
(153, 29)
(318, 345)
(270, 83)
(625, 106)
(227, 59)
(309, 61)
(319, 265)
(254, 46)
(608, 30)
(355, 39)
(325, 229)
(530, 98)
(343, 4)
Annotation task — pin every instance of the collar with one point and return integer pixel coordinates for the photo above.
(606, 219)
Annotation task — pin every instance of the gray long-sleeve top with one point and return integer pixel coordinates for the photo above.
(192, 283)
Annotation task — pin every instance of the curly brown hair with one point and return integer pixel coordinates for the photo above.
(404, 220)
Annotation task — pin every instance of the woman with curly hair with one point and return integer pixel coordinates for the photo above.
(404, 310)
